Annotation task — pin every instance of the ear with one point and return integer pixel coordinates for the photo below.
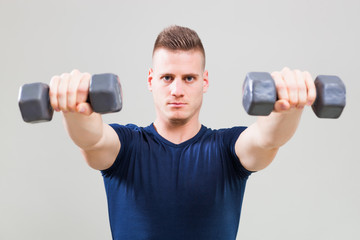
(150, 78)
(205, 81)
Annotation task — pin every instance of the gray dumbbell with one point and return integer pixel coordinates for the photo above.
(259, 95)
(104, 96)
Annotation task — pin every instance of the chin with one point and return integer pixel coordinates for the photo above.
(178, 120)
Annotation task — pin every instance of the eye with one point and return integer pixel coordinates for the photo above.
(189, 79)
(166, 78)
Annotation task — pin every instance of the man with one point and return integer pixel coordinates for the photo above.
(177, 179)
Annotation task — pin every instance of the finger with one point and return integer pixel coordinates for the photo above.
(54, 84)
(281, 105)
(83, 88)
(62, 91)
(84, 108)
(302, 91)
(75, 72)
(280, 86)
(283, 98)
(74, 81)
(311, 89)
(291, 85)
(286, 69)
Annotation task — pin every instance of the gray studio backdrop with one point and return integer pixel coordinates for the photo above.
(311, 190)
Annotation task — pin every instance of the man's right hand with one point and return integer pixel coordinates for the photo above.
(69, 92)
(98, 142)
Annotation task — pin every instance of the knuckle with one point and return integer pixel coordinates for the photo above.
(297, 71)
(302, 100)
(286, 72)
(64, 75)
(299, 74)
(301, 103)
(74, 71)
(275, 74)
(86, 75)
(54, 78)
(281, 87)
(71, 107)
(53, 102)
(293, 101)
(292, 86)
(70, 92)
(312, 97)
(82, 90)
(62, 107)
(54, 82)
(307, 73)
(285, 69)
(311, 84)
(85, 81)
(61, 94)
(302, 87)
(289, 77)
(52, 93)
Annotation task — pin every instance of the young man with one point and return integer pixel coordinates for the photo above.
(177, 179)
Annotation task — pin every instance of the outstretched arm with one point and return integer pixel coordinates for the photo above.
(97, 141)
(257, 146)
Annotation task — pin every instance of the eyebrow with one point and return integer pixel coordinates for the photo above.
(184, 75)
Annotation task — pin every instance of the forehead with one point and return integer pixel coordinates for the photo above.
(165, 59)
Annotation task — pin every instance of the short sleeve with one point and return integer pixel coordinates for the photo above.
(127, 135)
(229, 137)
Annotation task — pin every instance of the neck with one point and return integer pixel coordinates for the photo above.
(177, 132)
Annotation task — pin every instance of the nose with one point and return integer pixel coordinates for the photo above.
(177, 88)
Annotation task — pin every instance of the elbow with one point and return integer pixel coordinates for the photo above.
(93, 161)
(260, 160)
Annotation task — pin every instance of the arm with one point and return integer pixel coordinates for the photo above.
(257, 146)
(98, 142)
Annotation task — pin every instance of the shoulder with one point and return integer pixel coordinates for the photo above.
(129, 126)
(223, 141)
(132, 131)
(231, 131)
(222, 136)
(226, 132)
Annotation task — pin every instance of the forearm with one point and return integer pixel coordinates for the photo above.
(85, 131)
(257, 146)
(98, 142)
(275, 130)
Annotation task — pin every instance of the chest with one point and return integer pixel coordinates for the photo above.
(191, 173)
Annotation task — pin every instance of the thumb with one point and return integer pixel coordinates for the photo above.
(84, 108)
(281, 105)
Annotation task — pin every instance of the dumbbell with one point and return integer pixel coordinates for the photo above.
(104, 97)
(260, 95)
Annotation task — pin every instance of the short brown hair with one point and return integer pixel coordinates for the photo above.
(179, 38)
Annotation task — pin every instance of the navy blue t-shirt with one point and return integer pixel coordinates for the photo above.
(160, 190)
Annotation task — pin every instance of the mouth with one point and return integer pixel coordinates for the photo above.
(176, 104)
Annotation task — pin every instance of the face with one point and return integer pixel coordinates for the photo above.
(178, 81)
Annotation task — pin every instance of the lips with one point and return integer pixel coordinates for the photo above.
(176, 104)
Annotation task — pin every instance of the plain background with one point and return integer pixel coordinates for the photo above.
(312, 189)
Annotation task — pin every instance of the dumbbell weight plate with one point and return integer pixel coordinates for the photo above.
(259, 93)
(33, 108)
(330, 96)
(105, 93)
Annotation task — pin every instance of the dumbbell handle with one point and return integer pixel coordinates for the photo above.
(260, 95)
(104, 96)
